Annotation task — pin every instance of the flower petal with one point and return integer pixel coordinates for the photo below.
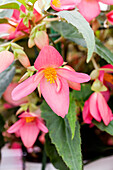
(48, 57)
(86, 114)
(109, 2)
(26, 87)
(16, 126)
(6, 58)
(73, 85)
(60, 5)
(93, 107)
(7, 96)
(73, 76)
(103, 109)
(41, 126)
(29, 133)
(58, 101)
(89, 9)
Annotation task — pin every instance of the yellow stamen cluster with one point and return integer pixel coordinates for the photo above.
(56, 3)
(50, 74)
(29, 119)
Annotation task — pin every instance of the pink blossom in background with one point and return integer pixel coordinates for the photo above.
(7, 96)
(6, 59)
(53, 80)
(97, 108)
(29, 126)
(60, 5)
(109, 16)
(17, 25)
(90, 8)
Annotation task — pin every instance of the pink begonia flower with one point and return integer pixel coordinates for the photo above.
(60, 5)
(52, 79)
(96, 107)
(7, 96)
(109, 16)
(17, 25)
(6, 59)
(90, 8)
(106, 79)
(29, 126)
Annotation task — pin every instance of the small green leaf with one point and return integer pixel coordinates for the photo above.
(52, 153)
(6, 13)
(5, 78)
(103, 127)
(77, 20)
(22, 2)
(10, 6)
(60, 133)
(71, 116)
(103, 52)
(84, 93)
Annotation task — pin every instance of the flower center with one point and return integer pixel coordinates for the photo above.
(29, 119)
(108, 78)
(56, 3)
(50, 74)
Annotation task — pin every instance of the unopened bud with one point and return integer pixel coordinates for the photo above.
(98, 86)
(94, 74)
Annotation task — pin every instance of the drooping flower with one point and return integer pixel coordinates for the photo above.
(97, 108)
(29, 126)
(53, 80)
(109, 16)
(90, 8)
(7, 96)
(16, 25)
(60, 5)
(6, 59)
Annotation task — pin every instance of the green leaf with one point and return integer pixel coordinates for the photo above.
(6, 13)
(22, 2)
(32, 1)
(103, 52)
(71, 33)
(71, 116)
(3, 21)
(61, 137)
(52, 153)
(78, 21)
(5, 78)
(84, 93)
(103, 127)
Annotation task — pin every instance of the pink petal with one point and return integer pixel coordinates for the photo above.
(58, 101)
(64, 4)
(26, 87)
(48, 57)
(41, 126)
(16, 14)
(89, 9)
(103, 109)
(16, 126)
(41, 35)
(106, 95)
(93, 107)
(6, 59)
(7, 96)
(29, 133)
(27, 114)
(86, 114)
(21, 26)
(109, 2)
(73, 85)
(37, 15)
(73, 76)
